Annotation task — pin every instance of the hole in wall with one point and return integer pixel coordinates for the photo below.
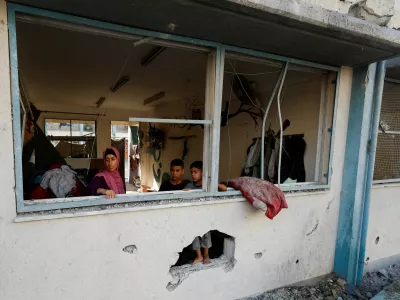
(297, 261)
(188, 255)
(258, 255)
(221, 253)
(132, 249)
(377, 240)
(367, 259)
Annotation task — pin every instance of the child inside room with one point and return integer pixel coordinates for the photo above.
(177, 169)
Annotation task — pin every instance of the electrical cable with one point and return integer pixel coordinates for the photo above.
(281, 124)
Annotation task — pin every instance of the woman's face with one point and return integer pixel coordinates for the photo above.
(111, 163)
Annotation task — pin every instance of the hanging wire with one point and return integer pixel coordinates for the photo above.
(264, 121)
(240, 81)
(281, 125)
(285, 68)
(110, 93)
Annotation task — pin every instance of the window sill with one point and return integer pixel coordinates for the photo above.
(96, 210)
(386, 183)
(132, 206)
(182, 272)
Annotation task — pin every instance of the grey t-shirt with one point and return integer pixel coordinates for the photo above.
(192, 186)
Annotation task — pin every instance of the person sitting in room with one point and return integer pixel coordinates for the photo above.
(176, 183)
(196, 170)
(109, 182)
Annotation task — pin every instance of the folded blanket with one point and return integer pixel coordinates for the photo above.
(261, 194)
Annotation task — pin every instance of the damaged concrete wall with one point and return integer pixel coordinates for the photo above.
(378, 12)
(381, 12)
(341, 6)
(383, 237)
(115, 256)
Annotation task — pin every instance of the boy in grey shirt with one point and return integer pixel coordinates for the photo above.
(196, 169)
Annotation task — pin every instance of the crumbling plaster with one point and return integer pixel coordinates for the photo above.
(381, 12)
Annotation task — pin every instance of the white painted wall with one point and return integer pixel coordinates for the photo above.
(82, 258)
(384, 222)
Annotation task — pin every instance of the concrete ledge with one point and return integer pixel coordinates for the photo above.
(97, 210)
(382, 263)
(316, 16)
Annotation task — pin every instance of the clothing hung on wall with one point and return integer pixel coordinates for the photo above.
(252, 165)
(292, 158)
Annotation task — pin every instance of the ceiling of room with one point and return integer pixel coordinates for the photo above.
(63, 66)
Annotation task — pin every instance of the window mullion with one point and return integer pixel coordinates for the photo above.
(216, 117)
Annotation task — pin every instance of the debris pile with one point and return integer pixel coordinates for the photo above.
(334, 288)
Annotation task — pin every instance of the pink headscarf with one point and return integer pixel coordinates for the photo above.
(113, 179)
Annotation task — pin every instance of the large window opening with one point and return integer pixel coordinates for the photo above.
(107, 80)
(306, 106)
(113, 111)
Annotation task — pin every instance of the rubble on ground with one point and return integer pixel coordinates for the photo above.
(334, 288)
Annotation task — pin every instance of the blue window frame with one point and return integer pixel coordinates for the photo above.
(214, 110)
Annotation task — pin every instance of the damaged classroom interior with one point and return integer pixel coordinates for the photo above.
(144, 81)
(168, 162)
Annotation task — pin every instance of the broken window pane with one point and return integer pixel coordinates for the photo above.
(107, 78)
(306, 101)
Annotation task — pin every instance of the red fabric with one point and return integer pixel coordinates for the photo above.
(79, 190)
(39, 194)
(256, 189)
(113, 179)
(55, 166)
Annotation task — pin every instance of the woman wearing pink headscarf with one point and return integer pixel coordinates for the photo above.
(109, 182)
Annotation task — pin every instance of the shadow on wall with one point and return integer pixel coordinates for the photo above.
(222, 254)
